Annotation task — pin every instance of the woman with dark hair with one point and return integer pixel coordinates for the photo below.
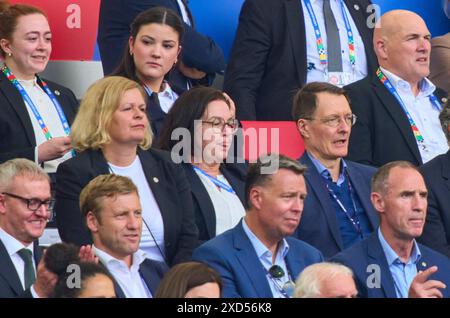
(205, 118)
(152, 51)
(190, 280)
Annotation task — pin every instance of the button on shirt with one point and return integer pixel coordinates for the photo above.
(128, 278)
(402, 274)
(318, 73)
(424, 114)
(265, 257)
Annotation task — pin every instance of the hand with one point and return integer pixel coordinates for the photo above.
(45, 280)
(86, 254)
(190, 72)
(54, 148)
(421, 287)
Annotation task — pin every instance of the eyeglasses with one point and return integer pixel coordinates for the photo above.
(219, 123)
(33, 204)
(334, 121)
(276, 272)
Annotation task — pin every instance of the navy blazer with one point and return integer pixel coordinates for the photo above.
(365, 257)
(319, 225)
(17, 138)
(205, 215)
(199, 51)
(436, 233)
(267, 62)
(382, 132)
(151, 272)
(10, 285)
(172, 193)
(233, 256)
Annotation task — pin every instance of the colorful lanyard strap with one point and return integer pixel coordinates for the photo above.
(353, 219)
(387, 83)
(319, 40)
(33, 108)
(217, 182)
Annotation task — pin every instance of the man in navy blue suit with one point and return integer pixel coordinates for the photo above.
(338, 212)
(111, 208)
(390, 263)
(257, 258)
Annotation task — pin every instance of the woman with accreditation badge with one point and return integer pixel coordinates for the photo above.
(35, 115)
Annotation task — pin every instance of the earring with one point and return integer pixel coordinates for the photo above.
(131, 53)
(9, 54)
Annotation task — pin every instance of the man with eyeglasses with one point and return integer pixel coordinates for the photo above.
(397, 106)
(25, 208)
(257, 258)
(338, 212)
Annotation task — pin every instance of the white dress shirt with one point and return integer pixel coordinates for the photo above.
(184, 14)
(424, 114)
(128, 278)
(318, 73)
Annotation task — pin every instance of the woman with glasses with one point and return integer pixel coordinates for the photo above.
(199, 131)
(111, 134)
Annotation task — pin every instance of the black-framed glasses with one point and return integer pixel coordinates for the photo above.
(276, 272)
(33, 204)
(220, 124)
(334, 121)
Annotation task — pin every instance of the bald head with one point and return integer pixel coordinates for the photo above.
(402, 44)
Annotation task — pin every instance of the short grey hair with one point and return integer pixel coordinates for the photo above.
(309, 282)
(380, 180)
(444, 117)
(11, 169)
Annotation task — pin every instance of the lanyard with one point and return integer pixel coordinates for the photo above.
(353, 219)
(319, 40)
(387, 83)
(217, 182)
(33, 108)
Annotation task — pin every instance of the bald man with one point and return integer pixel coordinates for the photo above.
(397, 106)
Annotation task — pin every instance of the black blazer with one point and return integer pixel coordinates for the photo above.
(319, 225)
(268, 59)
(205, 215)
(436, 233)
(17, 138)
(172, 193)
(382, 132)
(151, 272)
(10, 285)
(199, 51)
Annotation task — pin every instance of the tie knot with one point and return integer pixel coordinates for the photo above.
(25, 254)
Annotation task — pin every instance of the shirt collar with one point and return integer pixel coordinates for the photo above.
(324, 172)
(426, 86)
(392, 257)
(138, 258)
(12, 245)
(260, 249)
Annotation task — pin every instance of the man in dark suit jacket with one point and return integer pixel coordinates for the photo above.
(390, 263)
(338, 212)
(201, 57)
(257, 258)
(25, 203)
(397, 99)
(270, 58)
(436, 233)
(111, 208)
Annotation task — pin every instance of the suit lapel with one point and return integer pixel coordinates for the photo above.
(247, 257)
(390, 103)
(377, 257)
(320, 191)
(362, 189)
(149, 275)
(8, 271)
(16, 102)
(237, 185)
(446, 170)
(296, 28)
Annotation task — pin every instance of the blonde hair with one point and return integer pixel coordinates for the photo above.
(90, 127)
(18, 167)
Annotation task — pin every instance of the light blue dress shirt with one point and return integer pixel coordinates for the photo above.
(402, 273)
(324, 172)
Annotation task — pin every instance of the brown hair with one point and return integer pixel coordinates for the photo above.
(104, 185)
(380, 180)
(9, 16)
(185, 276)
